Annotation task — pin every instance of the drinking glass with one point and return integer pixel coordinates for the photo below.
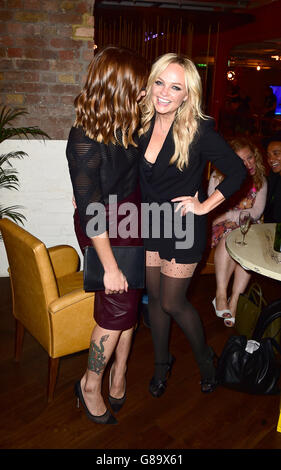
(244, 224)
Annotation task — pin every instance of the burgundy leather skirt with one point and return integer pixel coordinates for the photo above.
(116, 311)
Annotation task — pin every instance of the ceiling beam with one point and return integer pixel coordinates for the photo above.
(179, 4)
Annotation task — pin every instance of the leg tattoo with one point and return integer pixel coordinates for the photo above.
(96, 359)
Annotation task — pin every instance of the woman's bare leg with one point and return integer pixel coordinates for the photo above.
(102, 345)
(119, 367)
(241, 280)
(224, 267)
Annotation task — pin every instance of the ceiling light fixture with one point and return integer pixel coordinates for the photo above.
(230, 75)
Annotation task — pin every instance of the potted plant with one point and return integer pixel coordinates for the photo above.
(8, 174)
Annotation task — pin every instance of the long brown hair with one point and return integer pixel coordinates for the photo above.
(108, 100)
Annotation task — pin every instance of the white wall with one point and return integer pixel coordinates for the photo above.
(45, 193)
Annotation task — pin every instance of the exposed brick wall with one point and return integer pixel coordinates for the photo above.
(45, 47)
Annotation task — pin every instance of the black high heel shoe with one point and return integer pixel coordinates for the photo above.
(158, 387)
(106, 418)
(208, 373)
(116, 403)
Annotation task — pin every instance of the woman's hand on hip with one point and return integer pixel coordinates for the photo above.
(189, 204)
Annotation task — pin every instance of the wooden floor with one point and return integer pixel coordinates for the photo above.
(183, 418)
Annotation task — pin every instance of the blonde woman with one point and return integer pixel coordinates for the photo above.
(252, 199)
(177, 140)
(103, 160)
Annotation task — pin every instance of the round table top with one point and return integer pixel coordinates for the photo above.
(258, 255)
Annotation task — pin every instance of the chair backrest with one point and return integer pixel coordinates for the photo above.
(32, 278)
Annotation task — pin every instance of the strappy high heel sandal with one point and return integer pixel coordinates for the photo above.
(208, 373)
(158, 387)
(226, 313)
(106, 418)
(229, 322)
(116, 403)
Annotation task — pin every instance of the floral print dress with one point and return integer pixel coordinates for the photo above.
(254, 202)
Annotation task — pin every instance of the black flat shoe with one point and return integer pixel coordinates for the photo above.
(158, 387)
(116, 403)
(106, 418)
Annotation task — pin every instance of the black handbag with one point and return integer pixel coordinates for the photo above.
(253, 366)
(130, 259)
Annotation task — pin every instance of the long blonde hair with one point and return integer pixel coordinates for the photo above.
(240, 143)
(108, 100)
(187, 115)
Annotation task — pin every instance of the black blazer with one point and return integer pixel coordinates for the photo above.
(167, 182)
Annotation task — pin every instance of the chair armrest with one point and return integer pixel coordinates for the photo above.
(65, 260)
(69, 299)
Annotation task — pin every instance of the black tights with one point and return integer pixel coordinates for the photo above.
(167, 300)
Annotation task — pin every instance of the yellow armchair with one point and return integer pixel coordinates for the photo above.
(48, 297)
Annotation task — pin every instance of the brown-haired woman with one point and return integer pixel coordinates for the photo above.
(253, 200)
(103, 160)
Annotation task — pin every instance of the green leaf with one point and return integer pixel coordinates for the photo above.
(7, 116)
(12, 213)
(8, 174)
(8, 181)
(4, 158)
(21, 132)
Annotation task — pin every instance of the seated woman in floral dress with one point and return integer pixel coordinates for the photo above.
(254, 201)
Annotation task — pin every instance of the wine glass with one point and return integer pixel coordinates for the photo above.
(244, 224)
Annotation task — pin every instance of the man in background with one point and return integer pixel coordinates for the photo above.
(272, 212)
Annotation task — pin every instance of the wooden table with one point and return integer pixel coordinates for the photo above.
(258, 255)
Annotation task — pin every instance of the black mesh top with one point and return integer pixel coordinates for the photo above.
(98, 170)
